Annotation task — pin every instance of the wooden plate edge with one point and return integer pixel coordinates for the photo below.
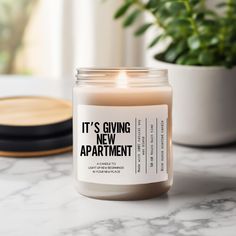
(36, 154)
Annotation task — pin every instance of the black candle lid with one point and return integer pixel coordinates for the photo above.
(35, 147)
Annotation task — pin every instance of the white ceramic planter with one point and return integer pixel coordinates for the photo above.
(204, 111)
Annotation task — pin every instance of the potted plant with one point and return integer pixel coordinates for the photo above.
(200, 53)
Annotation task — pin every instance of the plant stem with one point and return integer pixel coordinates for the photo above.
(225, 27)
(143, 8)
(192, 21)
(230, 12)
(203, 4)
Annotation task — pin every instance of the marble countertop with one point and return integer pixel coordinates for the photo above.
(37, 197)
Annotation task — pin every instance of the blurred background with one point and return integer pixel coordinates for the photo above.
(51, 38)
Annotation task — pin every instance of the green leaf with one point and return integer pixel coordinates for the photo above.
(214, 41)
(209, 13)
(141, 30)
(155, 41)
(151, 4)
(194, 42)
(209, 40)
(198, 16)
(222, 4)
(159, 56)
(178, 25)
(206, 58)
(175, 50)
(208, 22)
(194, 2)
(122, 10)
(192, 61)
(181, 60)
(175, 6)
(129, 20)
(171, 54)
(179, 28)
(188, 59)
(184, 22)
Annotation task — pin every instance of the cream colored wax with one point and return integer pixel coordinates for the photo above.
(125, 96)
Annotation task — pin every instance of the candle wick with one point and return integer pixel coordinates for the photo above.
(122, 79)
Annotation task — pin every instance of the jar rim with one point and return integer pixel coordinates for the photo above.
(117, 69)
(136, 76)
(102, 71)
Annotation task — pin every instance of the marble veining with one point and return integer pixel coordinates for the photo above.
(204, 218)
(37, 197)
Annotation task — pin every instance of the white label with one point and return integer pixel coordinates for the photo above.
(122, 145)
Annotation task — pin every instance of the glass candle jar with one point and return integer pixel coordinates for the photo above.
(122, 133)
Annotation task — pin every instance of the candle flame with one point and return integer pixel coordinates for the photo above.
(122, 80)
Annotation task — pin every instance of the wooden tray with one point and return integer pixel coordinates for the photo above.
(34, 116)
(36, 154)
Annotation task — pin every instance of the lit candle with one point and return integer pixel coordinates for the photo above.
(122, 133)
(122, 80)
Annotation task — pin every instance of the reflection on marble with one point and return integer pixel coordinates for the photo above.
(37, 197)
